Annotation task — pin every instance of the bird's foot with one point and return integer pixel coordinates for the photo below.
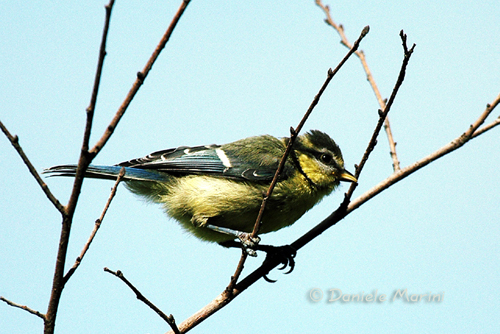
(281, 254)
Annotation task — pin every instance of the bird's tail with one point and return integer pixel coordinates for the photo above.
(108, 173)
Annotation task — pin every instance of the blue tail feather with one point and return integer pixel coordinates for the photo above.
(108, 173)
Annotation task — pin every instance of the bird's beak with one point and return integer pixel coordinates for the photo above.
(348, 177)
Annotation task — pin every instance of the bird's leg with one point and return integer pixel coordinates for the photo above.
(248, 243)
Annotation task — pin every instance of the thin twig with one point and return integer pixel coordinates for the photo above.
(97, 225)
(97, 79)
(383, 113)
(14, 140)
(85, 158)
(168, 318)
(234, 278)
(23, 307)
(485, 128)
(387, 126)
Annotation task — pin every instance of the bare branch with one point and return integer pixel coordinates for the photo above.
(387, 126)
(14, 140)
(168, 318)
(23, 307)
(97, 225)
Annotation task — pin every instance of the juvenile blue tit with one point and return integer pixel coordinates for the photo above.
(215, 190)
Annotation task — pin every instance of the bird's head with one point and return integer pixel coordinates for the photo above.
(321, 160)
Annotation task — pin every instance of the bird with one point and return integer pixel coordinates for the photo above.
(215, 191)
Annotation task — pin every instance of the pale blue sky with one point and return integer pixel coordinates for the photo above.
(232, 70)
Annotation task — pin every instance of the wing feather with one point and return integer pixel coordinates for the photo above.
(252, 159)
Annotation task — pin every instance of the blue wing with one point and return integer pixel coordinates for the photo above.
(181, 160)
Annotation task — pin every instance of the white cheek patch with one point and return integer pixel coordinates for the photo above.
(223, 157)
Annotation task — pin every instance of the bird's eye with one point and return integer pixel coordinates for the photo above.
(326, 158)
